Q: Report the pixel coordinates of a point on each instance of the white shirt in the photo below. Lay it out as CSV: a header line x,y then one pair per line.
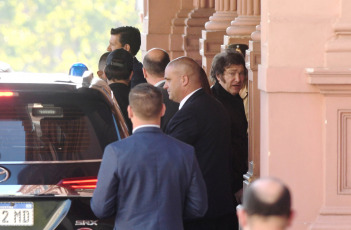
x,y
159,83
182,102
143,126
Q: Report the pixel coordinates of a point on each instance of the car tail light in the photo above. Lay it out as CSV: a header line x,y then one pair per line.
x,y
7,94
78,183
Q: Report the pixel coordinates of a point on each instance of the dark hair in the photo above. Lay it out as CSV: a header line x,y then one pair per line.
x,y
224,60
156,66
113,72
253,205
119,65
146,101
128,35
204,81
241,48
102,61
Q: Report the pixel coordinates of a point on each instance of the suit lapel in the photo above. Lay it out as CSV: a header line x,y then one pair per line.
x,y
194,96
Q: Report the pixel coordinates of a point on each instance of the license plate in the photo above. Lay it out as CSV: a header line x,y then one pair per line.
x,y
16,214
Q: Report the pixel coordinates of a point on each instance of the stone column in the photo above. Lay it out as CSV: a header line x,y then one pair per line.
x,y
156,25
194,25
249,16
215,29
253,59
176,46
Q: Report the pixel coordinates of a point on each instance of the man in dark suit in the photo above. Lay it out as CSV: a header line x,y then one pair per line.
x,y
118,71
149,181
229,72
203,123
128,38
155,62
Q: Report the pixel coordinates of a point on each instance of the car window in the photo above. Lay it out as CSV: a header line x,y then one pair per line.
x,y
55,127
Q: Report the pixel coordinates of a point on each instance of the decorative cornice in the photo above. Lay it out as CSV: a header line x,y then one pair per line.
x,y
335,80
337,210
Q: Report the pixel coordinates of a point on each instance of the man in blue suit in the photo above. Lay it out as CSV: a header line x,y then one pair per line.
x,y
149,180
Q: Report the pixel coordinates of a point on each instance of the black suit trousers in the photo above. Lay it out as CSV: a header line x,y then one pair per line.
x,y
225,222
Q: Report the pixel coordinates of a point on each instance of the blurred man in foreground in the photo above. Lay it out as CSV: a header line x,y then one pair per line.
x,y
266,206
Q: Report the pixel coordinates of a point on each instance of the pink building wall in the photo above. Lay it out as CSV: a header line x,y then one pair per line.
x,y
303,98
304,110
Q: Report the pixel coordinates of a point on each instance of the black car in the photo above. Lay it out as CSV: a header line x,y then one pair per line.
x,y
52,136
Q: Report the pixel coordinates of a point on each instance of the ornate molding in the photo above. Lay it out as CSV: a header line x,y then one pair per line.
x,y
177,31
338,49
253,57
335,211
194,26
344,132
330,80
243,25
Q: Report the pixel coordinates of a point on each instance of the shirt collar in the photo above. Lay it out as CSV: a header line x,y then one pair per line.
x,y
144,126
182,102
159,83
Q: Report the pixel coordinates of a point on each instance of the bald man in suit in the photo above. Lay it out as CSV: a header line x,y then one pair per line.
x,y
154,65
203,122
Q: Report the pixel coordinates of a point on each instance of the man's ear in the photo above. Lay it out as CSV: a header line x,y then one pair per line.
x,y
218,76
242,217
130,112
145,73
185,80
291,217
127,47
163,109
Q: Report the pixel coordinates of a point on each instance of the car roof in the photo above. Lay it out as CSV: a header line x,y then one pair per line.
x,y
39,81
23,77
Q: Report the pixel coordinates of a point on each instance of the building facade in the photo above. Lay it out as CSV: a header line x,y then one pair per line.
x,y
299,89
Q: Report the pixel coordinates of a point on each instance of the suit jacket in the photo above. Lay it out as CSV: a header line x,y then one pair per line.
x,y
138,75
121,93
238,125
150,181
171,107
203,123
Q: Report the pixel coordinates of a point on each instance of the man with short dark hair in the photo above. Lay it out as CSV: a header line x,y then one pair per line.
x,y
229,72
202,122
128,38
149,181
118,71
102,65
154,65
266,206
